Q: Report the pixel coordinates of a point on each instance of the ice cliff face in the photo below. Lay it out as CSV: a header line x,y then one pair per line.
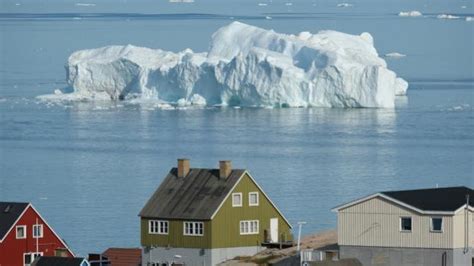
x,y
245,66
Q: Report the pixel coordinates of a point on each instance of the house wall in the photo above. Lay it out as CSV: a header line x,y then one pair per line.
x,y
376,222
175,236
383,256
459,227
12,249
226,223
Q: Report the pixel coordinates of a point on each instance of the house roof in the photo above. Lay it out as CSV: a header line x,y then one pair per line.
x,y
446,201
9,214
434,199
194,197
124,256
57,261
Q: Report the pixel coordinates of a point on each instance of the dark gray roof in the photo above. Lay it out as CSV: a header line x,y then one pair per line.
x,y
194,197
9,213
57,261
434,199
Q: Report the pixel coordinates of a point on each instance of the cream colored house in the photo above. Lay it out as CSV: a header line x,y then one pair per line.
x,y
426,227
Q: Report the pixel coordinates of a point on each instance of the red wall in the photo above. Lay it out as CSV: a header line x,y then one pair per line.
x,y
12,249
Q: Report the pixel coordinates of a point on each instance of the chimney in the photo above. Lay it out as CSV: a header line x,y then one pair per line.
x,y
183,167
225,167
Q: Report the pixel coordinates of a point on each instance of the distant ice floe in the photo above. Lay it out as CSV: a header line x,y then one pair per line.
x,y
344,5
85,4
268,17
288,4
181,1
469,18
447,16
262,4
413,13
395,55
245,66
463,7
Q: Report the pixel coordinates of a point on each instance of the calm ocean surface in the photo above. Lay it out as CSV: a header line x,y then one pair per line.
x,y
89,168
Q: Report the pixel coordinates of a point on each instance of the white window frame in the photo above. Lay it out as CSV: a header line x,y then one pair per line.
x,y
241,199
431,224
411,223
31,257
24,231
40,226
159,227
247,226
258,198
193,228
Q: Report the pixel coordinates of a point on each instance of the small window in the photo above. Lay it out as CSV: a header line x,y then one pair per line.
x,y
253,199
437,224
236,199
21,232
28,258
37,231
158,227
193,228
249,227
405,224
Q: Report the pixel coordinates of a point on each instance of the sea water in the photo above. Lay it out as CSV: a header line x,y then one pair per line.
x,y
89,168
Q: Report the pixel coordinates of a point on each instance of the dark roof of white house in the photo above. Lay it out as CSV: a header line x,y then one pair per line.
x,y
445,200
9,213
194,197
434,199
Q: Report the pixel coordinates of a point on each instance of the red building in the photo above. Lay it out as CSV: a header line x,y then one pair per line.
x,y
24,235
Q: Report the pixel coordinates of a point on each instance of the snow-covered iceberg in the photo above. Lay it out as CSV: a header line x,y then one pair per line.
x,y
245,66
413,13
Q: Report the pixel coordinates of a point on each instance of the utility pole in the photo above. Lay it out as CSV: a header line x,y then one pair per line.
x,y
300,224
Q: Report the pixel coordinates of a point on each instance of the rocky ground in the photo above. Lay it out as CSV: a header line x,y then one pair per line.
x,y
313,241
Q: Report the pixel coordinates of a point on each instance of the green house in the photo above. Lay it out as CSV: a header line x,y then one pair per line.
x,y
206,216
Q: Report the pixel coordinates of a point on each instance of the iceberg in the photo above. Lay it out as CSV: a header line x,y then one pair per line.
x,y
245,66
447,16
413,13
395,55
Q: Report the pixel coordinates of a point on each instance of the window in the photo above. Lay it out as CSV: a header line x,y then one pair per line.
x,y
236,199
249,227
21,232
253,199
405,224
28,258
193,228
436,224
158,227
37,231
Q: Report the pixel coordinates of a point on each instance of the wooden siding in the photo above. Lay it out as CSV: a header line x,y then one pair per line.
x,y
376,222
226,223
175,236
459,229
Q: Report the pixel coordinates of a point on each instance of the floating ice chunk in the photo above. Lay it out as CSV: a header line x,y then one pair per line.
x,y
288,4
413,13
262,4
181,1
268,17
85,4
469,18
395,55
447,16
245,66
463,7
344,5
